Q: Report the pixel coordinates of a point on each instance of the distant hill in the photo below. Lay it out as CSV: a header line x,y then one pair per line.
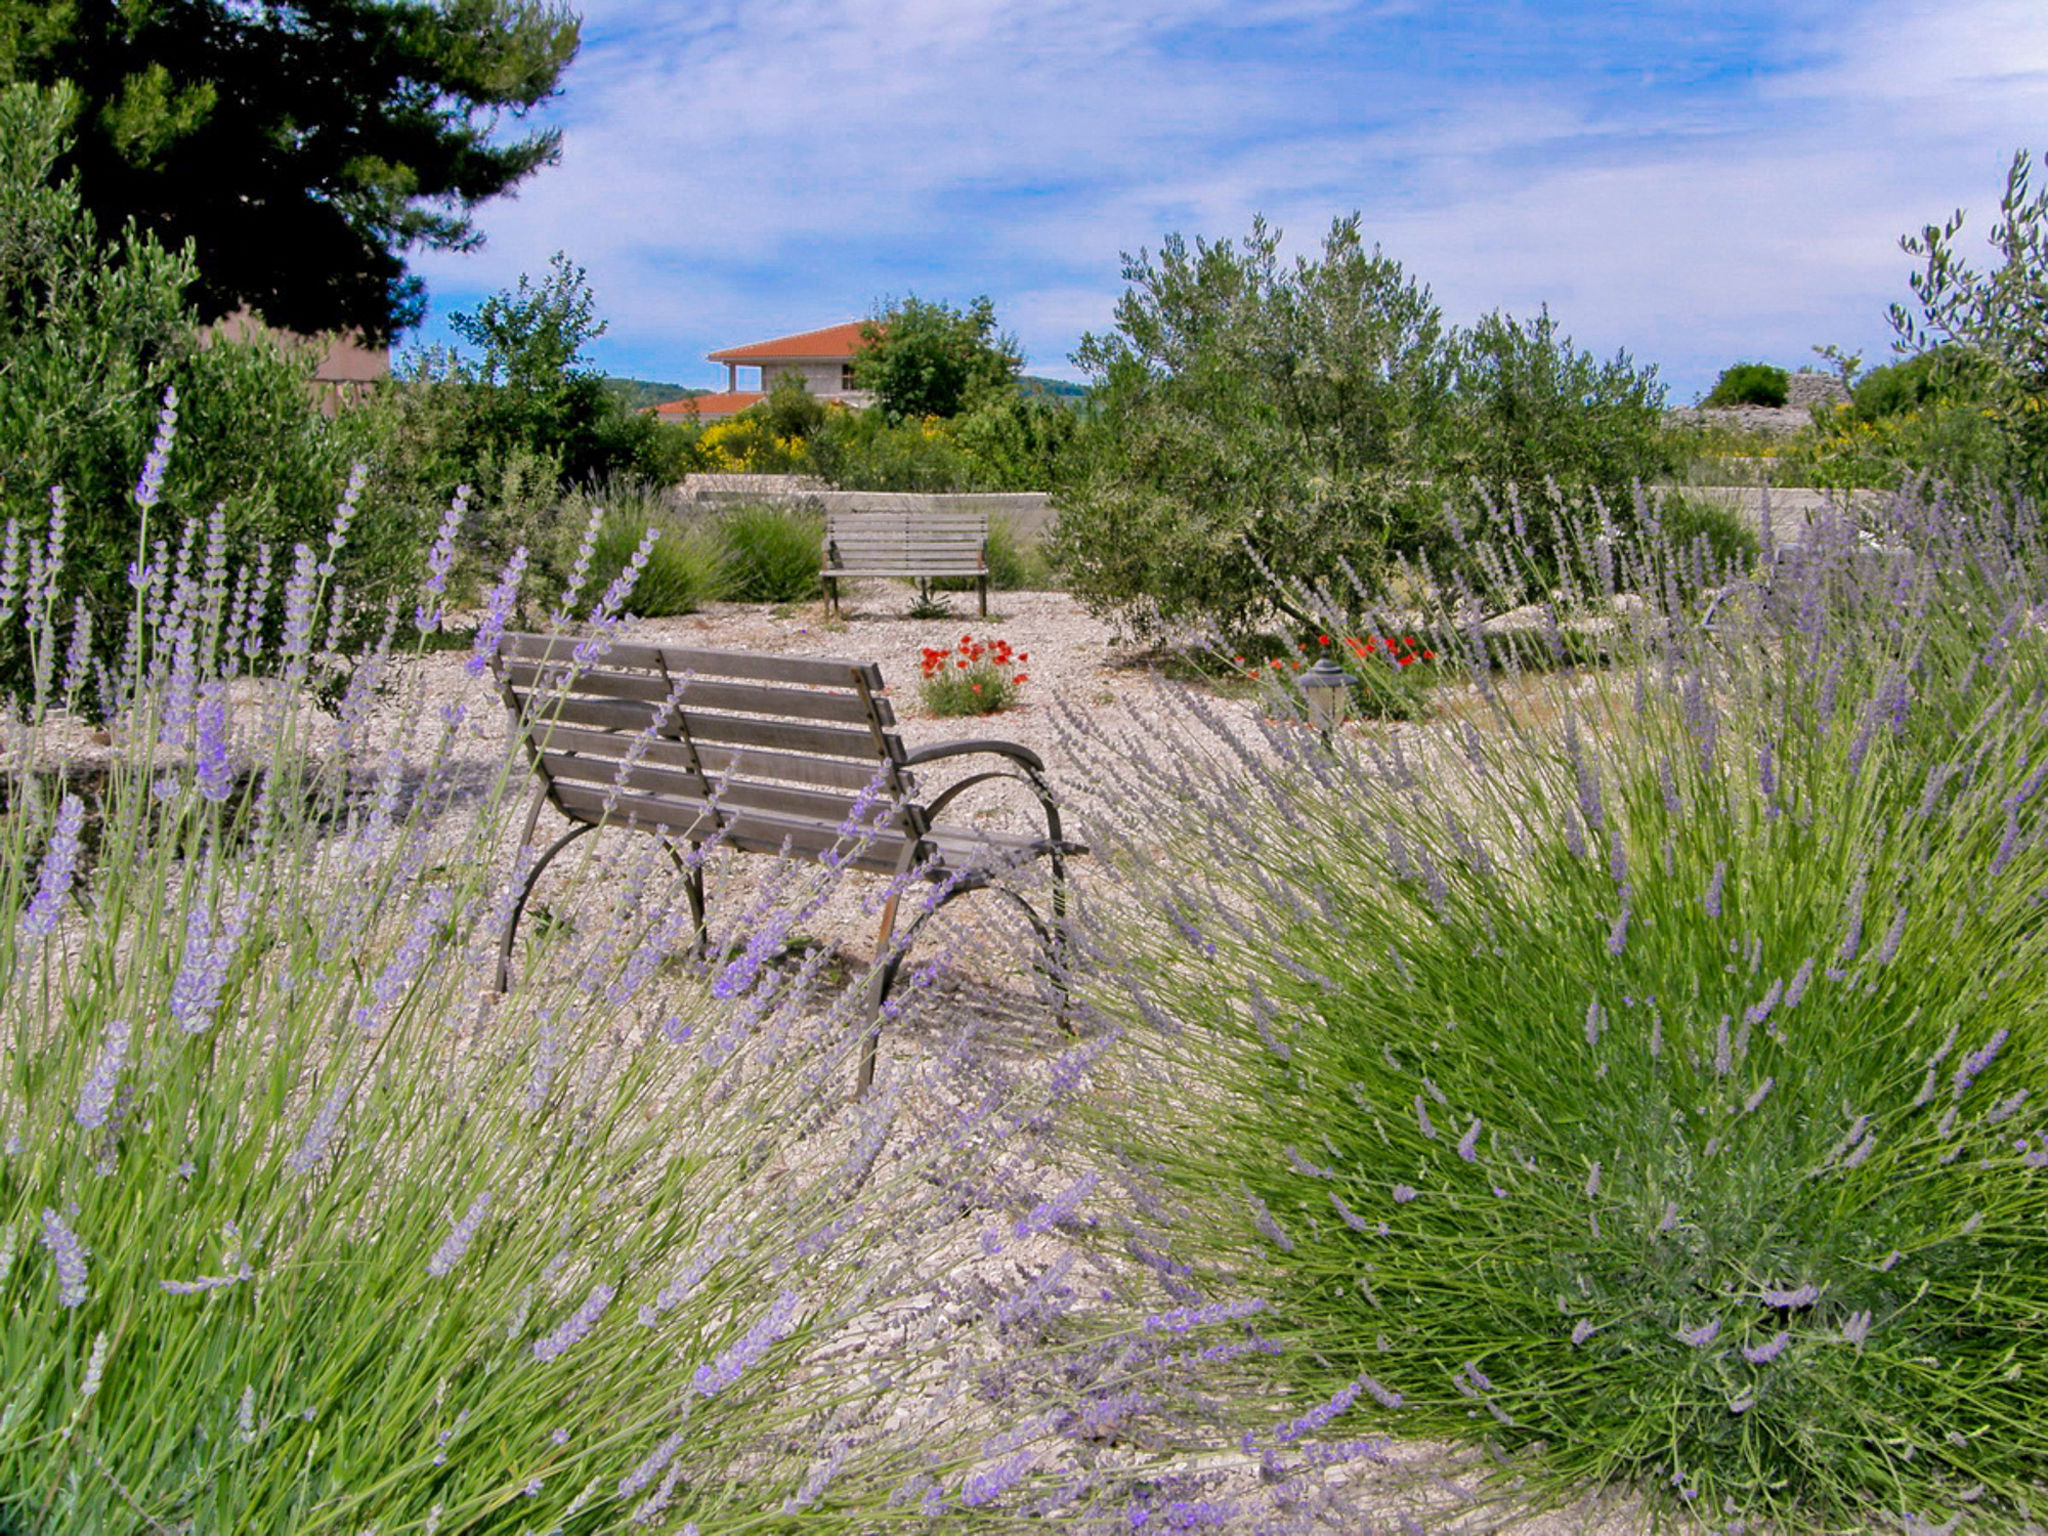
x,y
1061,391
636,394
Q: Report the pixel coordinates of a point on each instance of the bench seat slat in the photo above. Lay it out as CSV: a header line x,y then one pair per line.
x,y
733,794
750,762
759,832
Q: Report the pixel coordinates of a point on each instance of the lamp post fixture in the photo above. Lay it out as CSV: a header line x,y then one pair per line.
x,y
1326,688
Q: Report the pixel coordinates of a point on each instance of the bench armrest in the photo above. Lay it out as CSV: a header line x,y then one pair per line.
x,y
944,749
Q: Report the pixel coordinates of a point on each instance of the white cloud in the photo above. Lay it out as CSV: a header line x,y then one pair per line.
x,y
733,171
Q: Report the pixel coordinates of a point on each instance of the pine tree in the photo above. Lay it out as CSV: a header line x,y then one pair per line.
x,y
303,147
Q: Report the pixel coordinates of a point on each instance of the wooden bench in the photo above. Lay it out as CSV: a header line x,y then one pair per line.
x,y
764,754
918,546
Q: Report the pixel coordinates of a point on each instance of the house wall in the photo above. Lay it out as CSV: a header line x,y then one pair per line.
x,y
820,379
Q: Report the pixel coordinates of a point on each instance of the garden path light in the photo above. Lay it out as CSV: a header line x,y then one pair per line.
x,y
1326,688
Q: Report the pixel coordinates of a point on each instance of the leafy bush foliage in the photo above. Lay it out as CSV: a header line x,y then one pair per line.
x,y
1750,384
1257,421
1728,539
770,553
682,569
1645,1074
1992,317
94,334
923,359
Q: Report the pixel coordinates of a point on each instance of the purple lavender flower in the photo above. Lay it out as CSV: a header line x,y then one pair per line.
x,y
1763,1092
498,604
314,1146
1760,1010
1352,1219
96,1096
216,775
426,614
149,487
1798,1296
1712,900
60,863
1702,1336
986,1487
579,572
68,1254
774,1325
1469,1142
1796,988
1184,1319
1422,1116
1403,1193
576,1327
457,1243
650,1469
1764,1354
1320,1415
1593,1182
1582,1330
1852,938
1977,1061
403,967
1856,1329
1262,1218
1617,936
1385,1397
344,516
195,995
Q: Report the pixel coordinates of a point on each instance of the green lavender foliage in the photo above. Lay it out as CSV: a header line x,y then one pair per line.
x,y
303,1227
769,553
1645,1072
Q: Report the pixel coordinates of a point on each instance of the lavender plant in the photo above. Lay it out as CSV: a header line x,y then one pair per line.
x,y
300,1230
1640,1071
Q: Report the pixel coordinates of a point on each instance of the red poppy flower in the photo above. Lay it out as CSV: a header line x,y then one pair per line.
x,y
1322,639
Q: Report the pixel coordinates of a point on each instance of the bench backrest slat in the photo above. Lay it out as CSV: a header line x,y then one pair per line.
x,y
692,740
900,542
833,707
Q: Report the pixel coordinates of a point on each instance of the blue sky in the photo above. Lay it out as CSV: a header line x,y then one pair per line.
x,y
1699,184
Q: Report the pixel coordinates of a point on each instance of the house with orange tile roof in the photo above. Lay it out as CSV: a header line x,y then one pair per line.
x,y
823,359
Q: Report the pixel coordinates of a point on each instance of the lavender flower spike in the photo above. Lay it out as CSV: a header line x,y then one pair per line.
x,y
457,1244
774,1325
1977,1061
497,609
60,863
69,1255
149,488
426,614
96,1097
1702,1336
576,1326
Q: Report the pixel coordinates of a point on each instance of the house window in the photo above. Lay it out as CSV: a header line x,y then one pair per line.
x,y
845,377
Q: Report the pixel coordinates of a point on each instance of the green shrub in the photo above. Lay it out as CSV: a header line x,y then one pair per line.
x,y
682,571
1730,542
1646,1076
1750,384
865,451
770,553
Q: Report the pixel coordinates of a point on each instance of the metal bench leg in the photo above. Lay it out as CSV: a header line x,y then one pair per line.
x,y
526,890
886,966
692,871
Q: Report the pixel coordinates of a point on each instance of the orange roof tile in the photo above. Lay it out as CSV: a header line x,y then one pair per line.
x,y
834,341
724,403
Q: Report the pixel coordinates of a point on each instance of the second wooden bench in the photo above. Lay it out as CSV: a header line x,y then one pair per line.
x,y
918,546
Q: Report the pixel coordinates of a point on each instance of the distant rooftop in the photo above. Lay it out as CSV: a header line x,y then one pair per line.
x,y
832,343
